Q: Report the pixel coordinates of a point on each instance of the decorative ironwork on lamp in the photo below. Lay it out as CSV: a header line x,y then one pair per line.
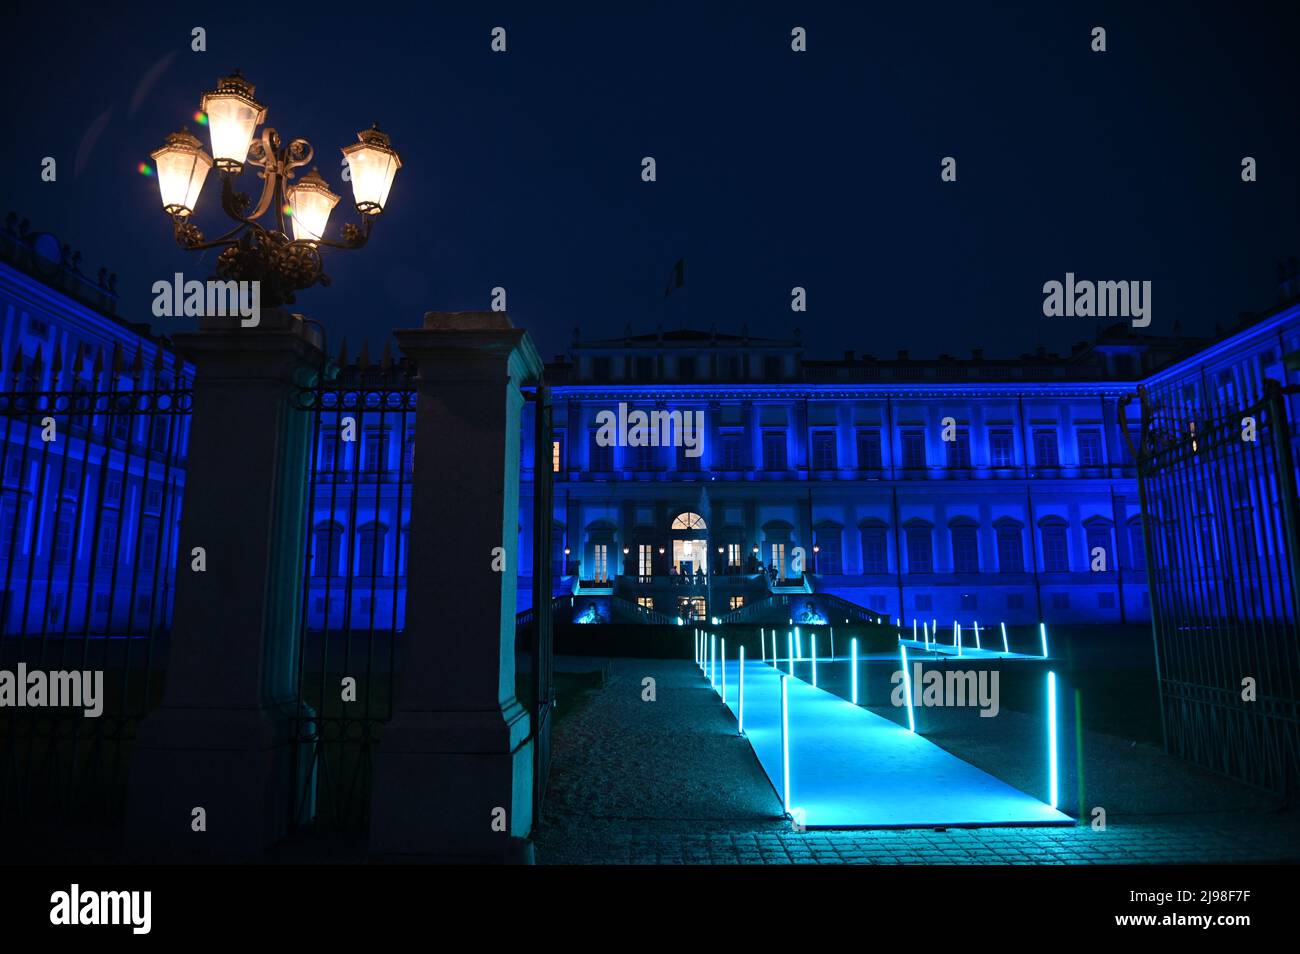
x,y
252,250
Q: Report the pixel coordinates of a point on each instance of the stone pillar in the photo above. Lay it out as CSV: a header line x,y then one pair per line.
x,y
222,739
453,777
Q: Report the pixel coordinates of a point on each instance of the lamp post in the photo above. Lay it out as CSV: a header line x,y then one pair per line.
x,y
253,250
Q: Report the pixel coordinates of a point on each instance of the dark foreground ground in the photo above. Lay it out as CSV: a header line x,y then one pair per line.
x,y
670,782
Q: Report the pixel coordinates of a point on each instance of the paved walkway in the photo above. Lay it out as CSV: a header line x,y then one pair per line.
x,y
669,782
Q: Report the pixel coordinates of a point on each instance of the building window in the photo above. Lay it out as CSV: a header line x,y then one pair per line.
x,y
1137,549
923,602
645,458
1045,447
1011,551
869,457
601,456
408,456
823,450
730,445
107,543
376,451
63,540
13,468
965,550
736,602
1056,556
645,560
958,450
326,550
920,550
828,556
913,450
645,602
1098,537
733,554
774,450
778,559
688,521
1060,601
875,550
71,479
328,459
113,488
1106,600
8,526
1015,601
685,461
370,550
600,562
1090,453
1001,449
555,455
153,497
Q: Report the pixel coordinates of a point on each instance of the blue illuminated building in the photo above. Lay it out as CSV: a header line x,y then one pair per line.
x,y
845,459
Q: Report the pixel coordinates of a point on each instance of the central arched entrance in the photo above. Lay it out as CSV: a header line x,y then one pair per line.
x,y
690,537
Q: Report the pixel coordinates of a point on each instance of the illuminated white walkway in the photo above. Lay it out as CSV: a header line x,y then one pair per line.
x,y
850,768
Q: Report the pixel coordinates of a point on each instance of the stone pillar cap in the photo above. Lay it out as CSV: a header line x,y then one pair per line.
x,y
467,321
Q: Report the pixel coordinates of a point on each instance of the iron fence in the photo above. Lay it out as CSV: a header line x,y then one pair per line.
x,y
354,589
1219,510
92,466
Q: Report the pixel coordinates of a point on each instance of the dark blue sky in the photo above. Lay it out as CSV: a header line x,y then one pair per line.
x,y
774,168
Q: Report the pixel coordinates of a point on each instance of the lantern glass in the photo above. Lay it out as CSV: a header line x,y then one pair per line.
x,y
372,164
182,166
311,202
233,116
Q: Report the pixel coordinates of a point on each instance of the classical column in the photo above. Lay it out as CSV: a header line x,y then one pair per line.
x,y
453,776
211,768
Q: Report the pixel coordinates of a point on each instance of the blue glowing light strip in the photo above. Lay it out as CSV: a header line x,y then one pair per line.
x,y
785,746
724,670
907,688
1042,631
762,645
713,661
789,650
853,663
1051,739
1004,639
813,637
978,647
740,701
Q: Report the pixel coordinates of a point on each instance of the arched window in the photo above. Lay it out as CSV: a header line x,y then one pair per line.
x,y
827,559
875,547
327,539
1097,537
965,545
1137,551
688,521
370,549
1011,546
920,547
1056,553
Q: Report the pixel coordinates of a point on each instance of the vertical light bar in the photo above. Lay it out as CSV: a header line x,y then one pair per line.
x,y
853,665
957,635
789,650
913,629
740,694
813,637
977,636
926,627
762,645
713,660
832,644
1042,632
1004,639
907,688
1051,738
724,670
785,745
798,644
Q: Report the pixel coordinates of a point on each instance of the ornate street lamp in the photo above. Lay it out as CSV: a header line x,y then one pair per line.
x,y
253,250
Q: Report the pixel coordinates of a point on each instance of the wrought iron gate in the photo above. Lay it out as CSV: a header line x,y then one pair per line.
x,y
1220,518
354,582
541,632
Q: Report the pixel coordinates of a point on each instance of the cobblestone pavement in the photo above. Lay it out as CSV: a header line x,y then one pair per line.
x,y
670,782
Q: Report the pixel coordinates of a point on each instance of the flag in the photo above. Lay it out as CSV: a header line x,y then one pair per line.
x,y
678,277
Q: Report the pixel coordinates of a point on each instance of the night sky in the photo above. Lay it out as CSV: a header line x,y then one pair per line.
x,y
775,168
